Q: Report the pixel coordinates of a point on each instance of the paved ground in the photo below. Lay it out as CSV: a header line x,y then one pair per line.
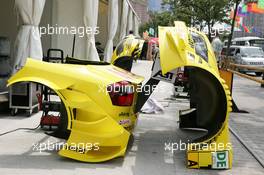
x,y
146,155
249,96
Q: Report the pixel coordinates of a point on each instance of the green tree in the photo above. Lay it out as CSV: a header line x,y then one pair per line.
x,y
200,12
158,19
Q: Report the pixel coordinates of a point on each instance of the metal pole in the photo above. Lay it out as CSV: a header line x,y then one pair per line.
x,y
262,85
227,62
73,45
246,76
232,27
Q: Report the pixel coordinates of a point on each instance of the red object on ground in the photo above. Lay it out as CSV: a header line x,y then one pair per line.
x,y
39,96
50,120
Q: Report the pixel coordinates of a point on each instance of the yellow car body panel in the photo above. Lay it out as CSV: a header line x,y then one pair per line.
x,y
177,50
97,132
129,48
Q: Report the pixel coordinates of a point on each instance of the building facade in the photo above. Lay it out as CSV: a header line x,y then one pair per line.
x,y
253,25
141,8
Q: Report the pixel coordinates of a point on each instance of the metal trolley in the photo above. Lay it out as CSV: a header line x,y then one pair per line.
x,y
24,96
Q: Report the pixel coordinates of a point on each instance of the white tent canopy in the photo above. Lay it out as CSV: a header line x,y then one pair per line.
x,y
133,20
136,25
123,29
112,28
28,42
130,20
90,20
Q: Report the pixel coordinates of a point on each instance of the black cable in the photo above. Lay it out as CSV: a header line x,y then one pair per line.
x,y
11,131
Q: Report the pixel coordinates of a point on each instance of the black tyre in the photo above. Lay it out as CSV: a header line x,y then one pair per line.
x,y
258,74
62,131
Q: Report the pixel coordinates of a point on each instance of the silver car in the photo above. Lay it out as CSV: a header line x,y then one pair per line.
x,y
247,55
